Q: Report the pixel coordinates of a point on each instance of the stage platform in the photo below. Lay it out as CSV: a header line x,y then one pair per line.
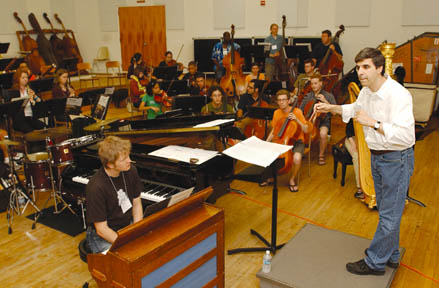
x,y
317,257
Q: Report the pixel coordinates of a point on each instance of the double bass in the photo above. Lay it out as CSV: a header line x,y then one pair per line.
x,y
57,44
233,82
34,59
70,46
44,45
284,65
331,66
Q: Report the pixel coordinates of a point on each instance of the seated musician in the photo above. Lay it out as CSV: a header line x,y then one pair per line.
x,y
219,51
190,75
31,76
319,95
254,74
62,89
112,194
303,78
24,121
217,105
200,87
149,103
135,61
247,100
169,61
136,88
321,48
279,116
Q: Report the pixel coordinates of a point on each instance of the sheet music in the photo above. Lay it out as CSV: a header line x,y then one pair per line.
x,y
213,123
74,101
73,117
109,91
180,196
256,151
184,154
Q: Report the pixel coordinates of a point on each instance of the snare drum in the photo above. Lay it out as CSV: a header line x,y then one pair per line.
x,y
62,153
84,140
37,171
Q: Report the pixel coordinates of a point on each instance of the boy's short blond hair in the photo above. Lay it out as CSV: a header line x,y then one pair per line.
x,y
111,148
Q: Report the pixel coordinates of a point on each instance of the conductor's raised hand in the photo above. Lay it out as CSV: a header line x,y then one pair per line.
x,y
322,107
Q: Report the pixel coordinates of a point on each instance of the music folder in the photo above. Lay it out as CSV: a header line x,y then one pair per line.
x,y
168,202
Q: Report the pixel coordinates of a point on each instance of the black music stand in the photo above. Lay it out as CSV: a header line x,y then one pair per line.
x,y
255,53
5,83
262,113
4,47
40,110
189,104
278,163
300,52
41,85
273,87
175,87
165,72
10,109
14,66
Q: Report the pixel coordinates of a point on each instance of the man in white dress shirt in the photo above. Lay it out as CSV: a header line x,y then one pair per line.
x,y
385,110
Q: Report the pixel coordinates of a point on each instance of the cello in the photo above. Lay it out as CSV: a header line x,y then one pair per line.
x,y
257,126
331,65
34,58
233,82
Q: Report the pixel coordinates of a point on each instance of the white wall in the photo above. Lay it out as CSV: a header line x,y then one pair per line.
x,y
385,23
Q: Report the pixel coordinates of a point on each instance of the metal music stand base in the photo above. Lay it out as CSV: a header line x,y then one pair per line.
x,y
268,246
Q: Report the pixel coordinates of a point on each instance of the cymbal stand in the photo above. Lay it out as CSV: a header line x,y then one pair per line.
x,y
16,193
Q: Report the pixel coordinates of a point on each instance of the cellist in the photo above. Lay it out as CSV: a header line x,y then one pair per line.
x,y
279,116
304,78
320,50
319,95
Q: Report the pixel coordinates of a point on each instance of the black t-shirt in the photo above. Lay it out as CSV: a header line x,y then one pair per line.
x,y
246,100
350,132
320,50
102,198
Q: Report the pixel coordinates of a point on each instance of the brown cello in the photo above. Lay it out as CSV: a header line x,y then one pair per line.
x,y
284,133
34,59
233,82
331,65
70,46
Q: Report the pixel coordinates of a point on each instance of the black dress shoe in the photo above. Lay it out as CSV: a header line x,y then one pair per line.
x,y
361,268
389,263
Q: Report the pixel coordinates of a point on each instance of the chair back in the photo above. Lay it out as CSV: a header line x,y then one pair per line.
x,y
103,54
83,66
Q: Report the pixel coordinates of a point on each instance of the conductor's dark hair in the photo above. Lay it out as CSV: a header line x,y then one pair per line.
x,y
374,54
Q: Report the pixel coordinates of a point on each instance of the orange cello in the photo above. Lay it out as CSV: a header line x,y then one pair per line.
x,y
285,133
233,82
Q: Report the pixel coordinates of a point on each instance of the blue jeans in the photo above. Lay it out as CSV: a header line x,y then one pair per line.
x,y
96,243
391,176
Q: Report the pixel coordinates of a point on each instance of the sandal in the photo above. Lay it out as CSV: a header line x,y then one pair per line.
x,y
322,160
266,183
293,188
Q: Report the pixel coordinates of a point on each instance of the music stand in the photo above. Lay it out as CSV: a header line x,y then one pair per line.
x,y
300,52
262,113
14,66
5,83
101,107
41,85
165,72
175,87
256,53
40,110
189,104
4,47
273,87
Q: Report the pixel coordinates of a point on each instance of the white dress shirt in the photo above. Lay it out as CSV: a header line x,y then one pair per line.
x,y
392,105
28,107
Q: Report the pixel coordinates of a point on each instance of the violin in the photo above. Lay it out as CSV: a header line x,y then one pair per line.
x,y
164,101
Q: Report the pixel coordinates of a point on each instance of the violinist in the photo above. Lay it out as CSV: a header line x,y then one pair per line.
x,y
169,61
321,48
160,96
217,106
276,41
279,116
24,121
148,103
315,96
254,74
136,88
200,87
135,61
190,76
219,51
304,78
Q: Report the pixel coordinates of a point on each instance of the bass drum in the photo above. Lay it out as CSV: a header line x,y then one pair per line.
x,y
37,172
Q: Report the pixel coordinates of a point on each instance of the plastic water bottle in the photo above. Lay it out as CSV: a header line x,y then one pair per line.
x,y
266,262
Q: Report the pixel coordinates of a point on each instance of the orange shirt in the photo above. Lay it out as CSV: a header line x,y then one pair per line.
x,y
280,116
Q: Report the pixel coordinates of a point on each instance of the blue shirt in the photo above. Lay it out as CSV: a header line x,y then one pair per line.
x,y
275,46
217,52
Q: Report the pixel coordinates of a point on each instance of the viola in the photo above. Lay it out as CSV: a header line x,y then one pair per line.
x,y
233,82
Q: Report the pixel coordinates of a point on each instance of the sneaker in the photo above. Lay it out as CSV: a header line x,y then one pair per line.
x,y
389,263
361,268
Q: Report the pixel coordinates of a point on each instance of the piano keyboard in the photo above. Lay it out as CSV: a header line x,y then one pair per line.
x,y
153,191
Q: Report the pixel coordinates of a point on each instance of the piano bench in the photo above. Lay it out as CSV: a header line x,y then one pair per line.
x,y
84,250
341,155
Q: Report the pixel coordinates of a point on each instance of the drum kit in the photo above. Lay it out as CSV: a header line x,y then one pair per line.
x,y
42,172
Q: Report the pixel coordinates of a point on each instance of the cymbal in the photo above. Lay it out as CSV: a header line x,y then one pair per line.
x,y
9,143
100,124
40,135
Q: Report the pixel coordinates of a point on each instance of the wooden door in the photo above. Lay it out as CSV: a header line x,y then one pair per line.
x,y
142,29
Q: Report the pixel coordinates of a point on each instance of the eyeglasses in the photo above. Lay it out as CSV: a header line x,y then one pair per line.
x,y
281,100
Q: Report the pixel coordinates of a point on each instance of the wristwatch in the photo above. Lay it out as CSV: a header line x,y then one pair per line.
x,y
376,126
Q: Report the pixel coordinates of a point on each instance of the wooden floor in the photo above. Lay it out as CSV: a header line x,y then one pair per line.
x,y
46,258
